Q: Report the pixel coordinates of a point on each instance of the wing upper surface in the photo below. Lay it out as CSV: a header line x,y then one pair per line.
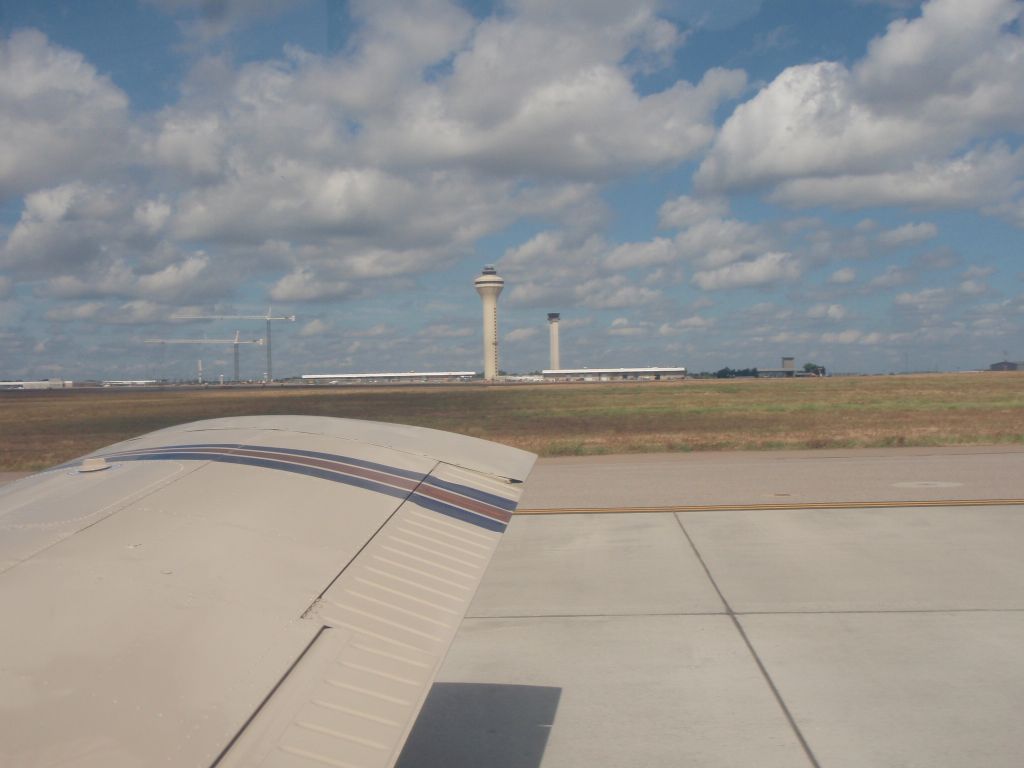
x,y
176,626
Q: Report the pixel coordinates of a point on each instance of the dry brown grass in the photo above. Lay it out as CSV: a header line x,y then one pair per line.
x,y
39,429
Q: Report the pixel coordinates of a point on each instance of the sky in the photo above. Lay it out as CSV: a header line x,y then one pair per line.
x,y
693,183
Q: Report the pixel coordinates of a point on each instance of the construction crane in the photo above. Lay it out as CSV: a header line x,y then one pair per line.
x,y
269,376
235,341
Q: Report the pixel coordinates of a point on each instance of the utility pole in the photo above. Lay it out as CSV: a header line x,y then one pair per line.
x,y
269,317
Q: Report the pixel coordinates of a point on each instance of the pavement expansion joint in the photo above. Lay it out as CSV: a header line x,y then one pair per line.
x,y
677,508
597,615
804,745
872,611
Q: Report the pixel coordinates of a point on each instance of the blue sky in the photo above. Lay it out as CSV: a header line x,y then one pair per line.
x,y
688,183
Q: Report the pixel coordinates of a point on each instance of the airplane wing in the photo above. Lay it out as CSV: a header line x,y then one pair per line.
x,y
255,591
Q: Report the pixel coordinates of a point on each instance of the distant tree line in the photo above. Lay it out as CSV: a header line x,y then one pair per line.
x,y
735,373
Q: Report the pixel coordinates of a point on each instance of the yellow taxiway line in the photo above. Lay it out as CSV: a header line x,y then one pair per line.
x,y
770,507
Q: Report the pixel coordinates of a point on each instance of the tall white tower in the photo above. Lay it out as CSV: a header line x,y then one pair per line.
x,y
489,285
553,318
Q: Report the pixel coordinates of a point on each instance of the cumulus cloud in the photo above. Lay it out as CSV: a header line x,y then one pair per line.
x,y
907,234
925,300
429,130
686,211
852,336
973,287
827,311
917,120
553,268
890,278
303,285
657,251
768,268
367,144
980,177
623,326
520,334
446,331
315,327
59,119
691,323
75,312
843,276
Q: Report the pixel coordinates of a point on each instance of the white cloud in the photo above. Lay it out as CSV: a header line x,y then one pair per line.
x,y
623,326
851,336
767,268
174,280
908,233
75,312
446,331
139,311
5,287
59,119
520,334
195,143
554,269
657,251
843,276
973,288
983,176
315,327
614,292
303,285
151,215
854,336
691,323
717,242
925,300
892,277
827,311
907,124
687,211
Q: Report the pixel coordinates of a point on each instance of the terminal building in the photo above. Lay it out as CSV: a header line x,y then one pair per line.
x,y
613,374
410,377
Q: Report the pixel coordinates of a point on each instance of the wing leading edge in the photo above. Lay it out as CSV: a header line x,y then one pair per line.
x,y
284,597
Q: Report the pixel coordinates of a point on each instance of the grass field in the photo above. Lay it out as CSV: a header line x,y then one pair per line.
x,y
39,429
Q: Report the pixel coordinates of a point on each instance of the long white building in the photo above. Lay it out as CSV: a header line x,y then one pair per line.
x,y
410,377
613,374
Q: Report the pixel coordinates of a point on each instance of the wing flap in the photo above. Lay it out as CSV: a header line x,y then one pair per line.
x,y
388,621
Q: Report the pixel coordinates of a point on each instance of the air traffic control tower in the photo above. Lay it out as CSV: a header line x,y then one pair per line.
x,y
489,286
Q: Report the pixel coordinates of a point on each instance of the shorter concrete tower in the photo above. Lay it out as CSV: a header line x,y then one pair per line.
x,y
553,318
489,286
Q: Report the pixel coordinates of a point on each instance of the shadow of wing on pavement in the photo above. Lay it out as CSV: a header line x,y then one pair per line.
x,y
481,724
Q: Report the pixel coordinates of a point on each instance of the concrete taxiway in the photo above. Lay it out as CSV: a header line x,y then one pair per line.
x,y
768,636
